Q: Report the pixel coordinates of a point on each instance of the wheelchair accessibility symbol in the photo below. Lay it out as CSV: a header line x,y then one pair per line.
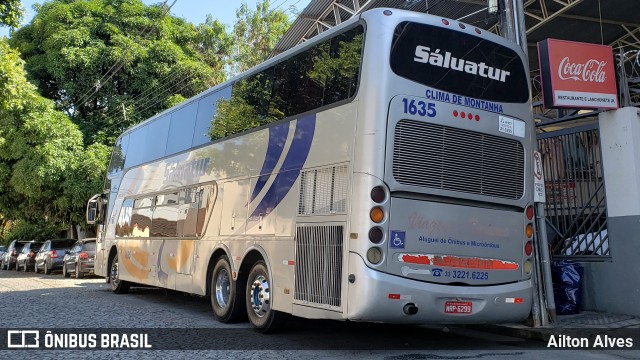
x,y
397,239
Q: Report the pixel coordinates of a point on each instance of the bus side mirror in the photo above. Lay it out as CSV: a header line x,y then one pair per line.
x,y
92,209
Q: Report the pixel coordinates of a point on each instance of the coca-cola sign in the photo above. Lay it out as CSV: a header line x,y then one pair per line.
x,y
577,75
591,71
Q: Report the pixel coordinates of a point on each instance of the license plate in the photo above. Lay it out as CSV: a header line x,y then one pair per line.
x,y
457,307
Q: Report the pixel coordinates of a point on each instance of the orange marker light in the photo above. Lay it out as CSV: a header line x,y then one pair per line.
x,y
376,214
529,230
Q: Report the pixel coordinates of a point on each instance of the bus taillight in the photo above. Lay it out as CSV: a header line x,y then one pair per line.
x,y
376,235
528,248
378,195
374,255
529,212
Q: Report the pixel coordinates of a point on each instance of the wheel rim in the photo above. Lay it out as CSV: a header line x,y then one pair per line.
x,y
114,273
260,302
223,288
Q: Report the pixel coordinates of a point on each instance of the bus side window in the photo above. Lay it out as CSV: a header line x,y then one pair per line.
x,y
187,213
141,216
205,198
123,226
165,215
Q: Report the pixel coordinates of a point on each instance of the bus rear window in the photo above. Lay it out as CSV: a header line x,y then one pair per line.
x,y
459,63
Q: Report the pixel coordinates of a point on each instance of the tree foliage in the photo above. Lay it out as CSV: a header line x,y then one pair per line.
x,y
110,64
11,13
215,45
256,33
95,68
41,230
41,152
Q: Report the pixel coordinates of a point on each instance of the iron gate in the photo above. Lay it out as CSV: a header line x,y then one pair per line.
x,y
575,209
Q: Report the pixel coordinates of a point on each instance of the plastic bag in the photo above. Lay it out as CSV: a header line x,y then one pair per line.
x,y
567,286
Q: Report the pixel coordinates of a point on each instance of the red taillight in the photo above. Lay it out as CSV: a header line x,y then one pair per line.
x,y
528,248
529,212
53,254
83,255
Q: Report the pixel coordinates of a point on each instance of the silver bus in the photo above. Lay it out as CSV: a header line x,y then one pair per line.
x,y
377,172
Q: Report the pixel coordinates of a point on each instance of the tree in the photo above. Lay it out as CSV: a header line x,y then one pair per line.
x,y
22,230
109,64
41,153
256,33
215,45
11,13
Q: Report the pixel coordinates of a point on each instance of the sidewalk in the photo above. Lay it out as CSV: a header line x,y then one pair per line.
x,y
585,324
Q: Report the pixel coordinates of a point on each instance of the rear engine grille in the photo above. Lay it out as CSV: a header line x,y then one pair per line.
x,y
446,158
319,265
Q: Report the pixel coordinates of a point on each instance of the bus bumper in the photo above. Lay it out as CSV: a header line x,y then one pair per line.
x,y
379,297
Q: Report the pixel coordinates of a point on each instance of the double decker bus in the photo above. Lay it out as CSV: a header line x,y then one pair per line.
x,y
377,172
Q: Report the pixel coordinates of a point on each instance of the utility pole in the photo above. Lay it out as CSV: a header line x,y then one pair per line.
x,y
512,23
513,28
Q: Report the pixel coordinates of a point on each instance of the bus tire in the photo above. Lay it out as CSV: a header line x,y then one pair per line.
x,y
259,300
226,302
117,286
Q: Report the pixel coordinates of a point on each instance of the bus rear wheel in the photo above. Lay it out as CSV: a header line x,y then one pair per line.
x,y
117,286
259,297
227,305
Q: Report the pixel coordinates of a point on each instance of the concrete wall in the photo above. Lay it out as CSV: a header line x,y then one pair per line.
x,y
614,286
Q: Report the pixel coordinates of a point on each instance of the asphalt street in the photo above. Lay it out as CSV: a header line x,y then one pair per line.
x,y
178,321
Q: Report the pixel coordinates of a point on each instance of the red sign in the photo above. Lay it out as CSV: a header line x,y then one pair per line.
x,y
577,75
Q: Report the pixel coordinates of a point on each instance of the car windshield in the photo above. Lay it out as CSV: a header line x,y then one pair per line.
x,y
3,248
19,245
62,244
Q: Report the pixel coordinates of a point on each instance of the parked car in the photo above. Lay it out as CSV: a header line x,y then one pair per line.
x,y
51,254
80,259
9,260
27,257
3,250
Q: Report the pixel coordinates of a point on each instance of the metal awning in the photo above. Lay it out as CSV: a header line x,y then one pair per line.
x,y
609,22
